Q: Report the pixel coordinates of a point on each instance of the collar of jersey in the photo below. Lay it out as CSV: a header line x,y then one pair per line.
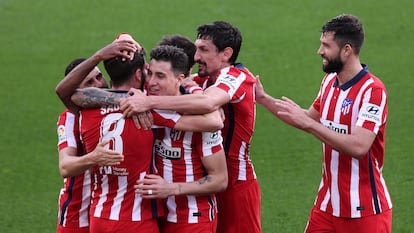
x,y
354,80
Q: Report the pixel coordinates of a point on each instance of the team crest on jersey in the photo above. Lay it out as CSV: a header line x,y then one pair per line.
x,y
346,106
175,134
61,134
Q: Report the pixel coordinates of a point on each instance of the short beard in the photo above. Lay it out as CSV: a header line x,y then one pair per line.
x,y
205,73
334,65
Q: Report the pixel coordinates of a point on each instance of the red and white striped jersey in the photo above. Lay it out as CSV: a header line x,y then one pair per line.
x,y
353,188
240,115
113,195
178,159
203,82
74,198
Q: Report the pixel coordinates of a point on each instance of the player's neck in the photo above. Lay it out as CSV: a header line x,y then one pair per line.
x,y
349,71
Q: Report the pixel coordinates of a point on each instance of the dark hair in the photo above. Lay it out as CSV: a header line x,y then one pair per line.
x,y
172,54
184,43
73,64
347,30
121,71
223,35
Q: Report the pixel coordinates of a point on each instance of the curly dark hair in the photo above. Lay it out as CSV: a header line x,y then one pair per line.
x,y
175,55
347,30
121,71
184,43
223,35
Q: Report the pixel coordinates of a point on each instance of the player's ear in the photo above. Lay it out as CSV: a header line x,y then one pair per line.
x,y
138,75
180,79
348,50
227,53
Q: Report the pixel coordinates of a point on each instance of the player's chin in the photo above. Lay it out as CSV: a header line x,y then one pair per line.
x,y
153,93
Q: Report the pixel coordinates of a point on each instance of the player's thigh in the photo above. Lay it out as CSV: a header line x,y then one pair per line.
x,y
239,208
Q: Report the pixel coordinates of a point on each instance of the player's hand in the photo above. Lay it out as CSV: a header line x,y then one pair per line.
x,y
143,120
127,37
134,104
259,90
124,49
105,157
292,113
154,186
190,86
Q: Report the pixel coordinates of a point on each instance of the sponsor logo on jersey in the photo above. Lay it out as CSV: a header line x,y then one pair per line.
x,y
228,80
166,151
371,112
105,170
61,134
214,135
213,138
340,128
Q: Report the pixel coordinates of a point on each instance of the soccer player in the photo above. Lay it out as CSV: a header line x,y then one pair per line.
x,y
74,198
115,206
183,43
191,165
218,45
349,116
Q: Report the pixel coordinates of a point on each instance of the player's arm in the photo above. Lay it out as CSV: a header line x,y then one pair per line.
x,y
215,181
67,86
93,97
212,98
208,122
71,164
356,144
264,99
70,83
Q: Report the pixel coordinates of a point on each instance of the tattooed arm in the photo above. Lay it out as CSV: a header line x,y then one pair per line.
x,y
75,78
93,97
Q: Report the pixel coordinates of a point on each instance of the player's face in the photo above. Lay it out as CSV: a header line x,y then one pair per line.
x,y
330,53
161,80
94,79
208,58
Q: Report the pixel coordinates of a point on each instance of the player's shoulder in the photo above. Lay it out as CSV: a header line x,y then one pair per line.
x,y
66,115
